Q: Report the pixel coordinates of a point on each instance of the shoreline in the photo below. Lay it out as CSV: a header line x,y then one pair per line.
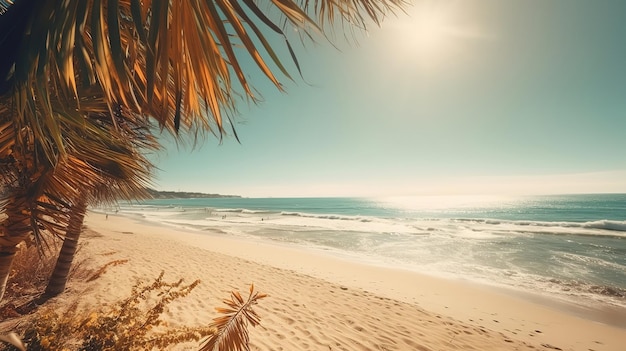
x,y
595,311
510,314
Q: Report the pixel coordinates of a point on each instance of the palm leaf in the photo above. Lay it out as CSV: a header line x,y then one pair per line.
x,y
105,162
4,5
178,61
232,327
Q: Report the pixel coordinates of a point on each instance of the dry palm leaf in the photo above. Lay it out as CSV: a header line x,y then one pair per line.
x,y
182,62
105,160
232,327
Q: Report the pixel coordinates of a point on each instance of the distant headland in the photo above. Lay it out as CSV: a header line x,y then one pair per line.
x,y
185,195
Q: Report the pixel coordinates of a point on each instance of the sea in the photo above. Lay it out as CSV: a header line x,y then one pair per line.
x,y
571,247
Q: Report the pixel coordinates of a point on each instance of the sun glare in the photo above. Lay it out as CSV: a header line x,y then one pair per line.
x,y
431,202
427,34
430,34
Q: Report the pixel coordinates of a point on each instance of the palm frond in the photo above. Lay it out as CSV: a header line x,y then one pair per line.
x,y
178,61
117,151
104,162
4,5
232,327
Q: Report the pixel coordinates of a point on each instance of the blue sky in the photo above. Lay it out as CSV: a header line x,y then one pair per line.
x,y
458,97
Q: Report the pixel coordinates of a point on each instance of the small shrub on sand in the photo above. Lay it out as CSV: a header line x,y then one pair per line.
x,y
123,326
131,324
134,323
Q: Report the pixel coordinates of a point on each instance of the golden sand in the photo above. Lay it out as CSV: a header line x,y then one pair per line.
x,y
321,302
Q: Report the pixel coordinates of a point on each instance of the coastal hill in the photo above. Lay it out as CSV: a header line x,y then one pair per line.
x,y
184,195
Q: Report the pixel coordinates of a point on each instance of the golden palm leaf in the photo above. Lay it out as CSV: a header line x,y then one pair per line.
x,y
232,328
177,61
105,161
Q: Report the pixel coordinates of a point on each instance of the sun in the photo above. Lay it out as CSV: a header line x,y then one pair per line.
x,y
430,35
426,34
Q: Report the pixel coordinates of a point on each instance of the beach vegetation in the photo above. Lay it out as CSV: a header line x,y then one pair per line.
x,y
135,323
106,163
120,177
29,274
130,324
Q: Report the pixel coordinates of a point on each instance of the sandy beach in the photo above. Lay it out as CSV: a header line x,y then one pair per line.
x,y
322,302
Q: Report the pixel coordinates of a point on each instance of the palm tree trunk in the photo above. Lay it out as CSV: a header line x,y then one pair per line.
x,y
15,229
6,258
58,279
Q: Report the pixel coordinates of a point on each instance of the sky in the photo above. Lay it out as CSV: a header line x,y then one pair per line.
x,y
468,97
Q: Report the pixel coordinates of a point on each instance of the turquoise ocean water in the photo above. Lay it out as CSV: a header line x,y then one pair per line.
x,y
572,247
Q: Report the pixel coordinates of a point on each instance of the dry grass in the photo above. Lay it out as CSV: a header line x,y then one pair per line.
x,y
131,324
30,272
134,323
28,278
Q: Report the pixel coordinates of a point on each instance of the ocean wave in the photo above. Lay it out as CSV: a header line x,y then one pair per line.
x,y
241,210
603,225
326,216
619,226
474,228
510,252
592,261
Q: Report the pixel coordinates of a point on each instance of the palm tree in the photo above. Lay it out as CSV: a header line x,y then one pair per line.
x,y
124,172
33,203
104,163
175,61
